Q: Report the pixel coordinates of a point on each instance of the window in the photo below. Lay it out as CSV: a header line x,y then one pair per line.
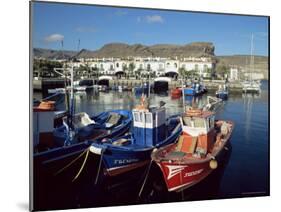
x,y
148,118
117,65
199,122
176,65
136,116
205,67
187,121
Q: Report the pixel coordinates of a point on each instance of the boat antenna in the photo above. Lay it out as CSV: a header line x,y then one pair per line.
x,y
148,95
182,91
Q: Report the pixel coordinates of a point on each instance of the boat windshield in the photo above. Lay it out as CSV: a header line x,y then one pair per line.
x,y
187,121
199,122
194,122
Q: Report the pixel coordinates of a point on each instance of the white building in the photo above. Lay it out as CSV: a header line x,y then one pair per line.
x,y
234,74
159,66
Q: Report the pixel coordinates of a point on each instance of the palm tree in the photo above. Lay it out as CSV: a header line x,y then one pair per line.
x,y
182,72
131,68
222,70
124,69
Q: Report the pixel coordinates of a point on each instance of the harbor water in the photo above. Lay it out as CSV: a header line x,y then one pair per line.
x,y
245,171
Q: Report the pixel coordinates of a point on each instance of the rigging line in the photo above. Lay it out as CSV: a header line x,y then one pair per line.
x,y
82,167
146,176
65,167
98,173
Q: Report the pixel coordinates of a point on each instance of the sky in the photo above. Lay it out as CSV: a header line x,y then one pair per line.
x,y
96,26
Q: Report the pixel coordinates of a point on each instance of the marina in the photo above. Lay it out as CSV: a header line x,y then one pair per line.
x,y
132,107
148,186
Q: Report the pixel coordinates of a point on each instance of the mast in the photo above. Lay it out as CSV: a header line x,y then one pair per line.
x,y
71,94
65,80
252,57
183,97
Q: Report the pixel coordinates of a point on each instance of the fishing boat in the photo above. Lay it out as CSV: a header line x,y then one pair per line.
x,y
197,152
194,89
143,89
222,92
54,129
151,130
251,87
176,92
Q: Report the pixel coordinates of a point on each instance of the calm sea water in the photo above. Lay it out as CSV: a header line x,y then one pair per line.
x,y
245,171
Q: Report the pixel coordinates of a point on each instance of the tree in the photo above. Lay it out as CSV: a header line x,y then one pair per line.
x,y
192,74
138,72
222,71
131,68
182,72
124,69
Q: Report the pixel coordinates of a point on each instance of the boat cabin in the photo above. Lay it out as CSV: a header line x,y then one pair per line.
x,y
198,132
149,124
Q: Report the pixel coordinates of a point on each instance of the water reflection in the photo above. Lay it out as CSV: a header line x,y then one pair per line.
x,y
245,168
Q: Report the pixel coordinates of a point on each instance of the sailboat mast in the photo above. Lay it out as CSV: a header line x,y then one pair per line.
x,y
71,89
252,57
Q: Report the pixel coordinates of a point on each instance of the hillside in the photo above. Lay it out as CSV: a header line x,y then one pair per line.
x,y
243,61
120,50
52,54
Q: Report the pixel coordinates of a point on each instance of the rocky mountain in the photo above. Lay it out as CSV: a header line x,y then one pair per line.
x,y
122,50
52,54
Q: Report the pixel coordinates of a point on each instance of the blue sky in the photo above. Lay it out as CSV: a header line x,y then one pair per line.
x,y
96,26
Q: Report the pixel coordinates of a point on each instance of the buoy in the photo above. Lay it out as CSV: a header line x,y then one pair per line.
x,y
213,164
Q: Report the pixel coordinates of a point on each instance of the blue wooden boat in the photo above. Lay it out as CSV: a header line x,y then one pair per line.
x,y
194,90
151,130
222,92
106,124
143,89
55,129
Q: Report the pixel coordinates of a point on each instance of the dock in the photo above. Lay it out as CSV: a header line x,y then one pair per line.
x,y
48,83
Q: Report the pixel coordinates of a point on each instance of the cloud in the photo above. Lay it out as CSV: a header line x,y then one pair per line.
x,y
53,38
86,29
121,13
154,19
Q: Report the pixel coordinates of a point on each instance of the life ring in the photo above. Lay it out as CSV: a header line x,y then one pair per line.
x,y
193,112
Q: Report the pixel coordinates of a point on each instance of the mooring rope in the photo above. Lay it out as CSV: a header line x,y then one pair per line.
x,y
65,167
82,167
98,173
146,176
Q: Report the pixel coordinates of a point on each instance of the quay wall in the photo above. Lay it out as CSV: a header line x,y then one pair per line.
x,y
42,85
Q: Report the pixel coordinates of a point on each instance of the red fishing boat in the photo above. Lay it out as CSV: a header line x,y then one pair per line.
x,y
197,152
176,92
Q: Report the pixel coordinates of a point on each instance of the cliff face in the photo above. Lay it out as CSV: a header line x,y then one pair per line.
x,y
137,50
